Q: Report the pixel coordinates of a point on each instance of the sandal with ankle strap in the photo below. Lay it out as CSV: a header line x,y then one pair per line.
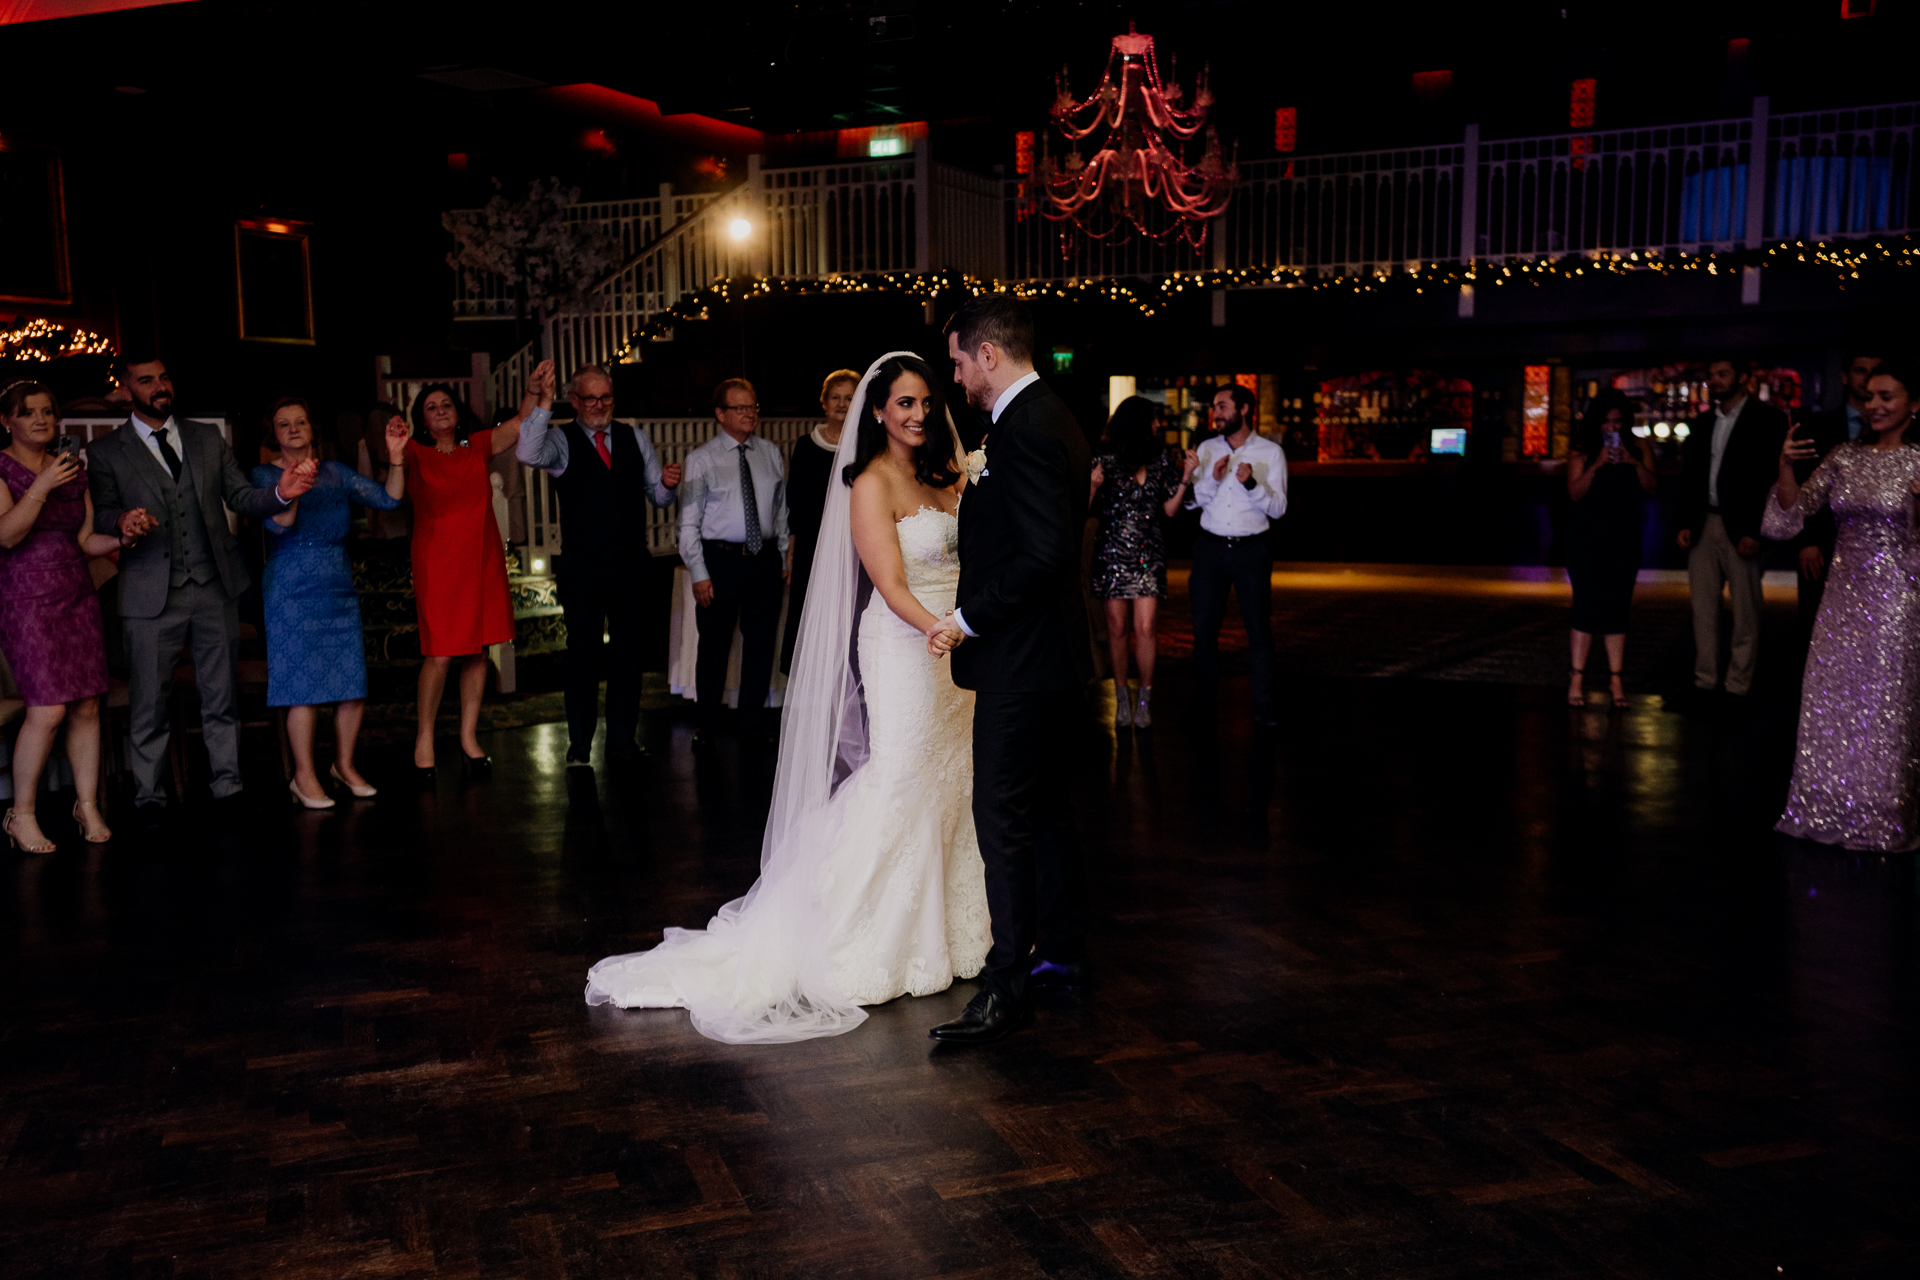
x,y
86,829
1580,701
45,845
1621,700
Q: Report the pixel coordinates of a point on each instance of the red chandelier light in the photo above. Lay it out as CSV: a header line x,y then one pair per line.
x,y
1111,194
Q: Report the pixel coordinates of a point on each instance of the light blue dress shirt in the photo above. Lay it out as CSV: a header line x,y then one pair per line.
x,y
546,448
710,502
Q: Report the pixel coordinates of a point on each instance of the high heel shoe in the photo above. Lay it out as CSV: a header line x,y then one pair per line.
x,y
87,831
324,802
478,767
362,792
45,845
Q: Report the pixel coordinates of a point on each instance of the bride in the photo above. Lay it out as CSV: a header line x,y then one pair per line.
x,y
871,884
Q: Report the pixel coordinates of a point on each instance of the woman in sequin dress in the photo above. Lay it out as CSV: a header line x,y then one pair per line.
x,y
1856,772
1137,487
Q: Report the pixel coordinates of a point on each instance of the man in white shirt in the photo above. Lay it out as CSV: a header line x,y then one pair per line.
x,y
733,540
1241,488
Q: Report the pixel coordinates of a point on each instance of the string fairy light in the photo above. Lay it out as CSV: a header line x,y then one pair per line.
x,y
1845,260
37,341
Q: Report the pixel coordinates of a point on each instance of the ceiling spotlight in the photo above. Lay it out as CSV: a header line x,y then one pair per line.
x,y
739,228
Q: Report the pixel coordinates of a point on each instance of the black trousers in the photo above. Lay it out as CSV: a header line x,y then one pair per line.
x,y
1036,885
746,593
1245,565
602,596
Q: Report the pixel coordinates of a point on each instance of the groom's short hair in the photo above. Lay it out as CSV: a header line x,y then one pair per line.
x,y
1004,321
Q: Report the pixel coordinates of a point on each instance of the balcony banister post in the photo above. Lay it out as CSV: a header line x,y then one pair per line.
x,y
923,221
1469,213
1756,201
759,214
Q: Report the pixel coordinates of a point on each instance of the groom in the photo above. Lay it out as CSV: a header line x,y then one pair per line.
x,y
1026,656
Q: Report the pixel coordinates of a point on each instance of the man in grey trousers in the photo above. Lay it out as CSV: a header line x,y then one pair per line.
x,y
180,585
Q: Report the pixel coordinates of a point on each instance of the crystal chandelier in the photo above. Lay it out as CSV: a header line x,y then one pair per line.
x,y
1112,194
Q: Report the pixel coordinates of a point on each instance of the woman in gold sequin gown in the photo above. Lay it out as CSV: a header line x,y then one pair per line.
x,y
1856,772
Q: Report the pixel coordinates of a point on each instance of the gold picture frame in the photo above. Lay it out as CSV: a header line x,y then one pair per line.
x,y
21,175
272,263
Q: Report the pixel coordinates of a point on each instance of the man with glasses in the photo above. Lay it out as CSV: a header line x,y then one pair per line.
x,y
601,575
733,539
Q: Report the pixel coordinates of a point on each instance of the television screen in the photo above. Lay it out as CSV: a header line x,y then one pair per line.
x,y
1448,440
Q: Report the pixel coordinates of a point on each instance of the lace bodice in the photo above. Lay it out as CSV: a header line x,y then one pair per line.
x,y
930,550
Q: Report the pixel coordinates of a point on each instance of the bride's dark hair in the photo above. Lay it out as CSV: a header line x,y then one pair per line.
x,y
933,462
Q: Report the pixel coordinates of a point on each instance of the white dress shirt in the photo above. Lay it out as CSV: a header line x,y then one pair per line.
x,y
1724,416
710,502
1228,509
145,432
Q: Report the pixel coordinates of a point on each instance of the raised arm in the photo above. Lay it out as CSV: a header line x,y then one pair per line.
x,y
876,536
538,395
1183,487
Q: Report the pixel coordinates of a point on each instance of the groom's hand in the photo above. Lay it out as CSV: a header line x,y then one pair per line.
x,y
944,636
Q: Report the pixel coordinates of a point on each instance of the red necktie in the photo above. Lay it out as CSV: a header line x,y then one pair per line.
x,y
600,443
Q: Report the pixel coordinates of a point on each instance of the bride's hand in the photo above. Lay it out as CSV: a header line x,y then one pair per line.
x,y
943,637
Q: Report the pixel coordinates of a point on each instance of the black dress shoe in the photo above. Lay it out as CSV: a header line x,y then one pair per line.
x,y
578,759
423,776
1055,976
152,817
988,1016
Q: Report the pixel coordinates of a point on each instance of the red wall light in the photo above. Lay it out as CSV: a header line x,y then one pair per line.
x,y
1286,133
1580,105
1023,152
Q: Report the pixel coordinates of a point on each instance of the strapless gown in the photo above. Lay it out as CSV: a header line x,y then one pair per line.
x,y
890,897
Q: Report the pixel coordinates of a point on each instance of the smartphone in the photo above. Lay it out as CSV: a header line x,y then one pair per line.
x,y
1610,439
66,444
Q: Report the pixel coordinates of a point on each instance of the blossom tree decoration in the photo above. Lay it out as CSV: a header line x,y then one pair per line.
x,y
543,250
1111,195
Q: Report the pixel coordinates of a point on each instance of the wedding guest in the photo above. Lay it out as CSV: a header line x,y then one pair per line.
x,y
1727,467
1856,773
315,652
373,464
49,614
600,468
1609,473
1828,431
733,538
459,560
1137,487
809,472
181,586
1241,488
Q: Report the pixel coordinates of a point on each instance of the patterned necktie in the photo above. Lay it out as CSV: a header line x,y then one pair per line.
x,y
166,451
600,443
752,504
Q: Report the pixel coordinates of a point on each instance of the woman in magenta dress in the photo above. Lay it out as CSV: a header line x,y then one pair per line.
x,y
459,562
1856,769
49,614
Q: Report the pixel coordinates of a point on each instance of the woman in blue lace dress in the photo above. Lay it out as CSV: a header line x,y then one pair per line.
x,y
315,653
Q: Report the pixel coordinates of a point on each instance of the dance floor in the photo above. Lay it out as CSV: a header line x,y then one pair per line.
x,y
1441,980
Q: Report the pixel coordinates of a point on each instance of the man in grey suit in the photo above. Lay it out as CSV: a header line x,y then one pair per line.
x,y
180,585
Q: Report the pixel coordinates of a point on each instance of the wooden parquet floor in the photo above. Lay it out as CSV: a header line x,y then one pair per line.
x,y
1442,981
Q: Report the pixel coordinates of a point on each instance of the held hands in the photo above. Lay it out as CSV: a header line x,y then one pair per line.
x,y
943,637
135,525
670,475
295,481
703,593
539,388
397,435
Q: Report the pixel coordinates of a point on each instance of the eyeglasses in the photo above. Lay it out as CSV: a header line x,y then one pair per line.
x,y
752,410
605,399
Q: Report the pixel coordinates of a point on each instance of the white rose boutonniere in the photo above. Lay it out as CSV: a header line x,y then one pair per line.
x,y
976,465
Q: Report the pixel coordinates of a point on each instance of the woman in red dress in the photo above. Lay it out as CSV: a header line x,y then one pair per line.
x,y
459,563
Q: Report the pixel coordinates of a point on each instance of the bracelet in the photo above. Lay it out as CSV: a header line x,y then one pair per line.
x,y
28,496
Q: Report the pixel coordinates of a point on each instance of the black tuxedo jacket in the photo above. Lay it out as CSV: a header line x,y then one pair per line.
x,y
1828,431
1747,470
1020,530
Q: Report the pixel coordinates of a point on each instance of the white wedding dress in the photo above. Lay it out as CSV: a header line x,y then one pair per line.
x,y
884,893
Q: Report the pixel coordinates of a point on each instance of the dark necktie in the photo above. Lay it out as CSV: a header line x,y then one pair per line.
x,y
166,451
752,503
